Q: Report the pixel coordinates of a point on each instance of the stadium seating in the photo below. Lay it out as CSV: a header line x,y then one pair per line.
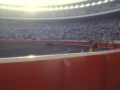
x,y
83,30
78,71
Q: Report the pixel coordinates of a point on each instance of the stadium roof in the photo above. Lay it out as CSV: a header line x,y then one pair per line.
x,y
40,2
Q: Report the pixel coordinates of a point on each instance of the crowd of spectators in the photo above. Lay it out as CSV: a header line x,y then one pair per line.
x,y
62,13
84,30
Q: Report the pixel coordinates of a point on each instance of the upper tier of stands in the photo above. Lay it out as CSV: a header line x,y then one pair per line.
x,y
85,10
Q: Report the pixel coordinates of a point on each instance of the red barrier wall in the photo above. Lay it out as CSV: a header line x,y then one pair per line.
x,y
38,75
86,73
93,72
113,71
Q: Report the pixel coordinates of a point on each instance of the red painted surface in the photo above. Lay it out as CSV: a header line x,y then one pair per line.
x,y
87,73
113,71
93,72
67,74
38,75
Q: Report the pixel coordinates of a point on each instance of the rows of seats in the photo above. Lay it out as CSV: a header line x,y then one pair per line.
x,y
84,30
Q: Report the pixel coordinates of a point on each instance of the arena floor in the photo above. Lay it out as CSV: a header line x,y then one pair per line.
x,y
16,50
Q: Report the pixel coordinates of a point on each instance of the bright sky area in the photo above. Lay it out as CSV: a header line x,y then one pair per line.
x,y
38,2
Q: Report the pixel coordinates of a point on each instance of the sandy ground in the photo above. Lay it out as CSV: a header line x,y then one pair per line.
x,y
15,50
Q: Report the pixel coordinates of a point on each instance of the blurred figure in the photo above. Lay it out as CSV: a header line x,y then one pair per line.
x,y
91,46
111,45
99,45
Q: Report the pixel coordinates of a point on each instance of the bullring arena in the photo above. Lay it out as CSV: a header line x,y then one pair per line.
x,y
62,46
37,48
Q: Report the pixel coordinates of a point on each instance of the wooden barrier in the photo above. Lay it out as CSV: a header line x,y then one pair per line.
x,y
38,75
67,74
113,71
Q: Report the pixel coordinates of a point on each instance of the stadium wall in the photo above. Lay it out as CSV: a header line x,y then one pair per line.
x,y
80,71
